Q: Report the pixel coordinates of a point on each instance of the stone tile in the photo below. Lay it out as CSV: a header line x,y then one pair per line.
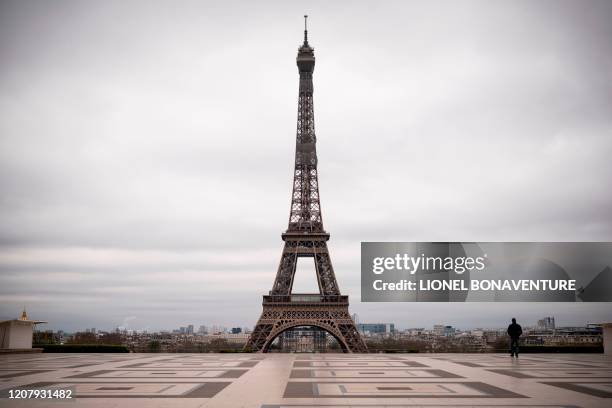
x,y
300,380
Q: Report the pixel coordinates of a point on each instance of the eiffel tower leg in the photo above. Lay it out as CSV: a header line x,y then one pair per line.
x,y
353,339
325,272
258,338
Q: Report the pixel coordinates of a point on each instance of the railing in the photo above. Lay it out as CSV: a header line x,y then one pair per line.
x,y
306,298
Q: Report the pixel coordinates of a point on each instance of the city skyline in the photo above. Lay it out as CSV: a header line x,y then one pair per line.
x,y
215,327
146,150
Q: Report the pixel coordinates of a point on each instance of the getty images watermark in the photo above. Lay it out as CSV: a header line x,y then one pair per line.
x,y
483,272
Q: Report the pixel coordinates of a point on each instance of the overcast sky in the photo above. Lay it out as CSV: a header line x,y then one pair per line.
x,y
146,148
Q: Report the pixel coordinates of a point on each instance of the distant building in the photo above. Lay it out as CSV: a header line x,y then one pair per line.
x,y
17,333
376,328
236,330
547,323
443,330
590,334
239,338
190,329
203,330
303,340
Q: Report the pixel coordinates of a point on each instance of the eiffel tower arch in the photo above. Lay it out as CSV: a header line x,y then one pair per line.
x,y
305,237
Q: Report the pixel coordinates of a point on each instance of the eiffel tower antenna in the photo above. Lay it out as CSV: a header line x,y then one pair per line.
x,y
305,237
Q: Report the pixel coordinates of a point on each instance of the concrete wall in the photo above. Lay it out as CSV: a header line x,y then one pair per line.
x,y
4,335
607,338
15,334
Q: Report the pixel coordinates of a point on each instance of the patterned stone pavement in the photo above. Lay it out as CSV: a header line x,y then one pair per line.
x,y
301,380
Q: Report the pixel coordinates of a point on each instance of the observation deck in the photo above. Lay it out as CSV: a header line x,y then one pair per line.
x,y
306,298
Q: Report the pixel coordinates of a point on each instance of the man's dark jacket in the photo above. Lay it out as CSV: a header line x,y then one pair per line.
x,y
515,330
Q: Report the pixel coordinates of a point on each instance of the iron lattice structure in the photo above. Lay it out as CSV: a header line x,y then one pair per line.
x,y
305,237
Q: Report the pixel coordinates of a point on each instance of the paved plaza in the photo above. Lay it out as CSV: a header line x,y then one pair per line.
x,y
299,380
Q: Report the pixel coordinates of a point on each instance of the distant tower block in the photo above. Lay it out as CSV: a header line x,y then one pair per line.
x,y
305,237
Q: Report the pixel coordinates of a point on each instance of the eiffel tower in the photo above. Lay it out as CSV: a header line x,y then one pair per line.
x,y
305,237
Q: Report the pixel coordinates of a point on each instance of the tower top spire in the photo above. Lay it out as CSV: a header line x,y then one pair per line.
x,y
305,58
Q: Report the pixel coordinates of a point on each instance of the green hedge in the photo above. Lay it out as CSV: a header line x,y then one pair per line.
x,y
82,348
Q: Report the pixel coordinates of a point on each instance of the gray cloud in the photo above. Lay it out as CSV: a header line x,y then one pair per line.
x,y
146,147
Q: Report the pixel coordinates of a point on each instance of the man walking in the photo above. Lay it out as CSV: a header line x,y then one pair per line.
x,y
514,331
